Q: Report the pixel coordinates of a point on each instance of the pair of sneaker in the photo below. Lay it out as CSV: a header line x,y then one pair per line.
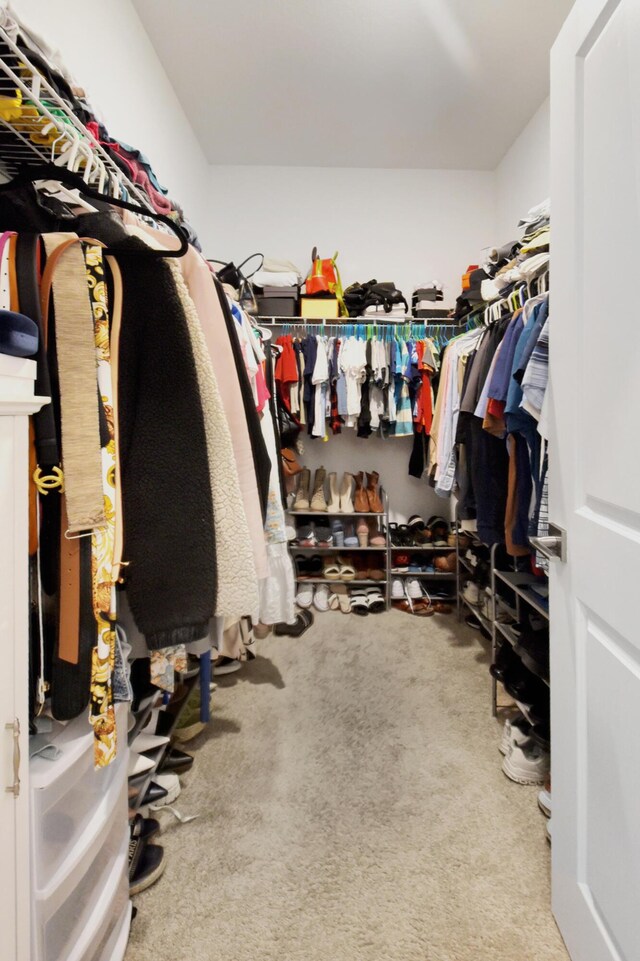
x,y
526,760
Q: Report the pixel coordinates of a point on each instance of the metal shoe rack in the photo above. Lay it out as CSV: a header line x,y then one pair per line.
x,y
357,582
520,584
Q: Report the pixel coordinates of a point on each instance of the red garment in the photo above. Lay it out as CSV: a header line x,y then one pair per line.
x,y
423,416
286,372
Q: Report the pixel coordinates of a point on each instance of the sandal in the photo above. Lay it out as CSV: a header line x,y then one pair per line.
x,y
359,603
347,572
375,600
332,571
342,595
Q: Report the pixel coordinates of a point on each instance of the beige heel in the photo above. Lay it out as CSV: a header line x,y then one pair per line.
x,y
362,530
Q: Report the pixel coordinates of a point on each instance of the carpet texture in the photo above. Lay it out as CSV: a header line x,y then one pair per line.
x,y
352,808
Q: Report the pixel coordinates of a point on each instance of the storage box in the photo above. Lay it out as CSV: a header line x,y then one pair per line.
x,y
277,301
319,308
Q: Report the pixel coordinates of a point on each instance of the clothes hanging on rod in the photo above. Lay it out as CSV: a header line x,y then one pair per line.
x,y
489,439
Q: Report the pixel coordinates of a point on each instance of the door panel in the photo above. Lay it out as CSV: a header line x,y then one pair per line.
x,y
595,479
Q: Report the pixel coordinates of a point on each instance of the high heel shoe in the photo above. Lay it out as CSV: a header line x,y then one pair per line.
x,y
346,501
376,536
362,530
373,497
361,500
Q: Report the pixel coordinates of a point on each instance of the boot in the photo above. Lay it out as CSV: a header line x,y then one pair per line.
x,y
301,502
375,502
346,503
334,499
318,503
361,501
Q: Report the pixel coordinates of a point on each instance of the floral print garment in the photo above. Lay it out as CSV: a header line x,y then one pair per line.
x,y
102,716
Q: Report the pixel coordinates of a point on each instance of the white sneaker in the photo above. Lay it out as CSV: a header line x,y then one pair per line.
x,y
413,589
171,784
304,597
544,803
397,589
145,741
321,598
471,593
512,736
527,764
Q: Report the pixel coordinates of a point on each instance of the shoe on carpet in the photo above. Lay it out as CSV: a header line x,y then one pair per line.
x,y
321,598
527,764
149,867
515,732
544,802
303,621
359,603
171,784
225,665
154,794
144,828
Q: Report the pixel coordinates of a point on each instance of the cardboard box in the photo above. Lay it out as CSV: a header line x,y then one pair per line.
x,y
319,308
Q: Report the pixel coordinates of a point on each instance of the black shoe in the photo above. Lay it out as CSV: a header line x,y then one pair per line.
x,y
144,828
149,867
533,650
154,793
303,621
176,762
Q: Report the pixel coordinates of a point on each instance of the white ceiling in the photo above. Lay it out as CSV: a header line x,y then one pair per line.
x,y
356,83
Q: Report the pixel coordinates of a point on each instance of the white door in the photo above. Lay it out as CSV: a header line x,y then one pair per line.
x,y
595,479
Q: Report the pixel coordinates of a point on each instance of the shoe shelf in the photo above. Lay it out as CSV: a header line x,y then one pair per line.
x,y
427,547
333,550
519,582
439,575
158,756
299,513
337,580
143,716
486,623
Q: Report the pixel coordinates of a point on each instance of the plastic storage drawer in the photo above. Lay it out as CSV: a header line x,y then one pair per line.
x,y
69,799
72,925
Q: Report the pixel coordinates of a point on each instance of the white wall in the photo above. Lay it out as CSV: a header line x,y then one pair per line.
x,y
402,225
107,50
522,176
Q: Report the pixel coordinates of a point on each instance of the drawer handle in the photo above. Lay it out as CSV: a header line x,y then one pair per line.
x,y
15,787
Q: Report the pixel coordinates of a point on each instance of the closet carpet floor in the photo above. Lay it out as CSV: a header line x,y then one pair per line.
x,y
351,807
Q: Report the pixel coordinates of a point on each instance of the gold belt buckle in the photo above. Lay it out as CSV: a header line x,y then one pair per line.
x,y
48,482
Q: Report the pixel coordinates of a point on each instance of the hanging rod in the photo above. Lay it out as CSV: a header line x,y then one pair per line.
x,y
359,321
